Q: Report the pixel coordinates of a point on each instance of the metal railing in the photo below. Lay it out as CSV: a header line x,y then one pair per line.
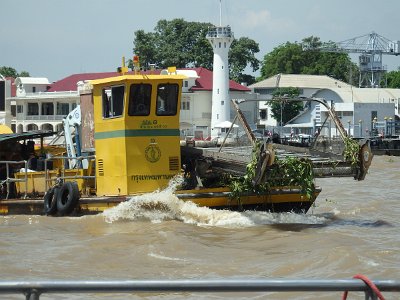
x,y
219,31
52,94
33,289
80,159
41,118
10,180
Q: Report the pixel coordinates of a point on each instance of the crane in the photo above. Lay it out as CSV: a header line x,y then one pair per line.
x,y
371,48
73,119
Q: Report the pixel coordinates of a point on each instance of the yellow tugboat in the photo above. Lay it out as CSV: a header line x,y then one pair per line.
x,y
127,142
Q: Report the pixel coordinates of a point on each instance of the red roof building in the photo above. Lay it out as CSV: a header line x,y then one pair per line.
x,y
70,83
204,82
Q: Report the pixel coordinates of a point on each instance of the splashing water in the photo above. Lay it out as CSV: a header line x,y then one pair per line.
x,y
163,205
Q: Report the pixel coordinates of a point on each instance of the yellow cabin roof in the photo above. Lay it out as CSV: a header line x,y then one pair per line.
x,y
136,77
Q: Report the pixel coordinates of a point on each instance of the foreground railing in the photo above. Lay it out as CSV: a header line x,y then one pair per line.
x,y
79,159
9,173
33,289
10,169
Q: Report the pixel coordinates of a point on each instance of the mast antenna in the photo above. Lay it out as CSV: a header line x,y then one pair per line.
x,y
220,12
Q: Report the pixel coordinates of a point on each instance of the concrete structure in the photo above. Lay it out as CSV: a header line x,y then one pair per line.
x,y
221,38
358,108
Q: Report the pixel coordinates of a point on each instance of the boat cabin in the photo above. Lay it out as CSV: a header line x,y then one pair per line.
x,y
134,121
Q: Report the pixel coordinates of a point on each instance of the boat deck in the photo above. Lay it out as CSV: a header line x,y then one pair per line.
x,y
235,159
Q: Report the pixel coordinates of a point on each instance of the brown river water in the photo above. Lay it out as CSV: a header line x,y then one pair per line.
x,y
353,229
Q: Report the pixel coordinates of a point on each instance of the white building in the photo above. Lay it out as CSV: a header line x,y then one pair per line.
x,y
358,108
37,107
31,85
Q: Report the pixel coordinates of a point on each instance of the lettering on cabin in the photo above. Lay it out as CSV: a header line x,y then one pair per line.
x,y
152,124
143,177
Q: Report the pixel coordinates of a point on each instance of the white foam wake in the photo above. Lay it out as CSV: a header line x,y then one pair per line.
x,y
163,205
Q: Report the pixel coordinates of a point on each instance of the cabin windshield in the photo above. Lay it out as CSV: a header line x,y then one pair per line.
x,y
113,101
167,99
139,100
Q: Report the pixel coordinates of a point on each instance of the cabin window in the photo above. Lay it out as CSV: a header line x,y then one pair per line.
x,y
113,101
139,100
167,99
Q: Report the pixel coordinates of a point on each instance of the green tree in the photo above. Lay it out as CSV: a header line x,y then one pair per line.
x,y
281,107
145,48
8,72
284,59
174,43
184,44
306,58
241,54
24,74
393,79
11,72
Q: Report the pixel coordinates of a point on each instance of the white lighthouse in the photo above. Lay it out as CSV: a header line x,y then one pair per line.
x,y
221,38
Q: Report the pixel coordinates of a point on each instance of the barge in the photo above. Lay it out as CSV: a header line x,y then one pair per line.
x,y
127,143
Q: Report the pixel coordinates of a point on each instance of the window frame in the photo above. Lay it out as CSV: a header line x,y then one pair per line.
x,y
110,105
135,107
171,108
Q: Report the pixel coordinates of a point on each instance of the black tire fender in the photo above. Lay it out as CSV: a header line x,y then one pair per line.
x,y
50,201
67,198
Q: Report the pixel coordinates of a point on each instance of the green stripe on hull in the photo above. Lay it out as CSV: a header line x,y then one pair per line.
x,y
135,133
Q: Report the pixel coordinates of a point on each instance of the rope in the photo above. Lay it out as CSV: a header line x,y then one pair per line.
x,y
370,284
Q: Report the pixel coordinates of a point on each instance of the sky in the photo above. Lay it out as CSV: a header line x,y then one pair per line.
x,y
58,38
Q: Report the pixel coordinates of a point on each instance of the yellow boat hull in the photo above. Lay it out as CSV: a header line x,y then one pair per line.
x,y
278,200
